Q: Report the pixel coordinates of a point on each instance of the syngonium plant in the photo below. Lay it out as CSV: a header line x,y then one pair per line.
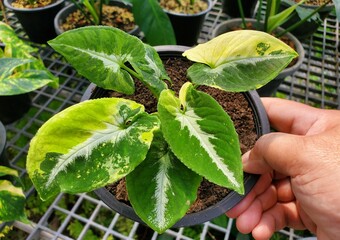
x,y
163,155
21,71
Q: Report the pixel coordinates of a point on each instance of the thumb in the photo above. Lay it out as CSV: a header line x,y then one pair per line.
x,y
281,152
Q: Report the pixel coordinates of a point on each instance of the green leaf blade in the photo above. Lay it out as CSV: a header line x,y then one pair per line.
x,y
232,66
165,188
89,145
212,147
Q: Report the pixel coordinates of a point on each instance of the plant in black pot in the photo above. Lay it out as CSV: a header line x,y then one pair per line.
x,y
20,73
270,22
307,26
187,17
164,153
130,16
36,17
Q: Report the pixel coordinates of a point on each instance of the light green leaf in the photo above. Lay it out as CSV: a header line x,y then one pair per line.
x,y
89,145
12,202
202,136
161,189
13,82
102,54
337,8
239,60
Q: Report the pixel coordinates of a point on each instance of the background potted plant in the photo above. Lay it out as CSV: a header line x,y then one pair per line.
x,y
100,141
317,10
269,23
112,13
147,15
187,18
231,8
20,73
36,17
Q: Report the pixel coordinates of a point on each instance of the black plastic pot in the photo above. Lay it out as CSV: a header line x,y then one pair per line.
x,y
262,127
3,160
187,27
309,27
67,10
37,22
230,7
14,107
270,88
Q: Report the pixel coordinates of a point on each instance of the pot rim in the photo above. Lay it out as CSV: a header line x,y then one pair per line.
x,y
261,121
9,6
327,8
2,140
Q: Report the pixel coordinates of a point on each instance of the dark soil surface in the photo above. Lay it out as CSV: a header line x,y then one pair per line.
x,y
234,104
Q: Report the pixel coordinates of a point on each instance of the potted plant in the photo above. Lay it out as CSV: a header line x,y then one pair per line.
x,y
148,17
163,154
187,17
317,10
270,24
36,17
114,13
20,73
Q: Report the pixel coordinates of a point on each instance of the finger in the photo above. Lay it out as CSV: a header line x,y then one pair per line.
x,y
276,218
284,153
251,217
284,190
261,186
289,116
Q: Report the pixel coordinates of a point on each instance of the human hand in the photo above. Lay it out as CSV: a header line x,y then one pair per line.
x,y
299,165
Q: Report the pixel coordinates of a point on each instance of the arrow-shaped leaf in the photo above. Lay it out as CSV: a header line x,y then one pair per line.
x,y
161,189
89,145
239,60
202,136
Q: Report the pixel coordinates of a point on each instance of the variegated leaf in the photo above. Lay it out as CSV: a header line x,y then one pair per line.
x,y
89,145
239,60
12,198
202,136
12,202
14,82
101,54
161,189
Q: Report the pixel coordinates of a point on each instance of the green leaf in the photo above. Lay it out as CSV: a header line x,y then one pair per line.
x,y
89,145
154,22
337,8
239,60
161,189
13,81
202,136
278,19
102,54
12,202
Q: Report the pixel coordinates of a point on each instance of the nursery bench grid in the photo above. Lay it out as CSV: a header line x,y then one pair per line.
x,y
84,216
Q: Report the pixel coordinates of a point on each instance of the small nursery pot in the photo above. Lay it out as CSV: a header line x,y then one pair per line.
x,y
2,145
270,88
37,22
261,125
14,107
67,10
187,27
